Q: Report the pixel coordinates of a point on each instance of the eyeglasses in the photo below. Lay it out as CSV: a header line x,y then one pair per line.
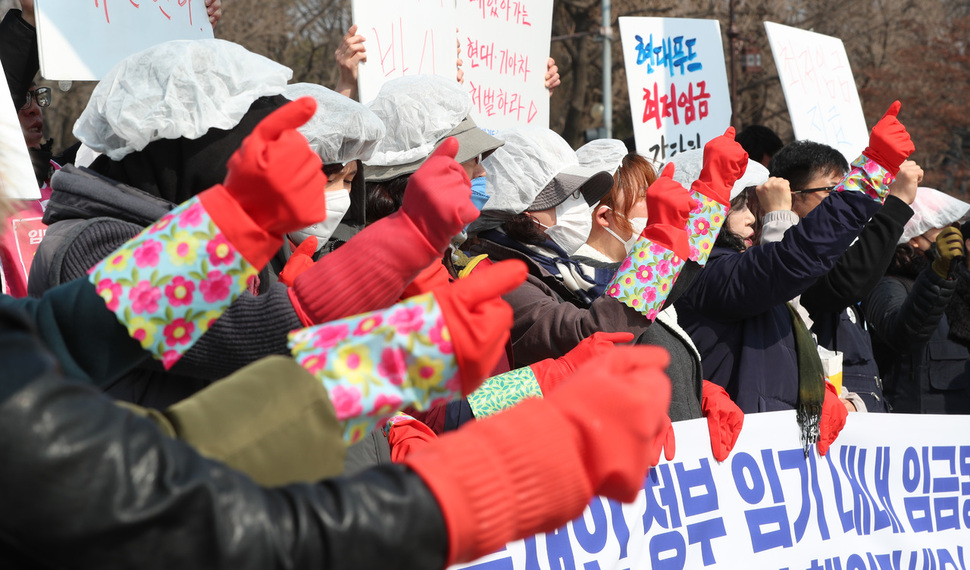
x,y
41,94
810,190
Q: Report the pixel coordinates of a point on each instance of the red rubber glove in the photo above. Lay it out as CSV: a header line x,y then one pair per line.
x,y
664,440
478,319
438,197
535,467
724,419
407,436
435,275
551,371
274,185
724,163
300,260
833,419
668,207
889,143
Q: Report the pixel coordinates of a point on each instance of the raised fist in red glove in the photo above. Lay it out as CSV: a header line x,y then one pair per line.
x,y
478,319
438,197
724,419
724,163
668,207
300,260
889,143
274,185
551,371
833,419
275,176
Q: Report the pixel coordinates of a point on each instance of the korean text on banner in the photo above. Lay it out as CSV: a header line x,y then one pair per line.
x,y
819,88
504,49
677,83
404,37
83,40
16,172
892,492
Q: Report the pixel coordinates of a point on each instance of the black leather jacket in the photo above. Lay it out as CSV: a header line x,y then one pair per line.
x,y
87,484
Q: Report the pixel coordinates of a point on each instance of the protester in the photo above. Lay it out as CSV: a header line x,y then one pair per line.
x,y
831,304
737,311
924,371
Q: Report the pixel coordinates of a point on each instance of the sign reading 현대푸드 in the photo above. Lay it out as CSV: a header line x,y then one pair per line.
x,y
404,37
504,49
819,88
677,83
83,39
893,492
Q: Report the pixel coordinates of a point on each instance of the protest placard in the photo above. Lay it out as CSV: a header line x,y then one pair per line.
x,y
405,37
504,49
16,173
892,492
83,39
819,88
677,83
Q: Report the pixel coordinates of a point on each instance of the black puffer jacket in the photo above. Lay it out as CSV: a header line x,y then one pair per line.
x,y
923,371
86,484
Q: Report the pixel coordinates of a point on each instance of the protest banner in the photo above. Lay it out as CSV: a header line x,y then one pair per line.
x,y
504,49
16,173
819,89
83,39
404,37
893,492
677,83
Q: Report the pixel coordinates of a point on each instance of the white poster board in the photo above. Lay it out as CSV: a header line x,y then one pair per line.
x,y
83,39
819,88
504,49
893,492
677,83
17,179
404,37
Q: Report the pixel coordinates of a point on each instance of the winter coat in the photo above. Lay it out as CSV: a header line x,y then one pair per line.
x,y
735,310
549,320
923,371
88,484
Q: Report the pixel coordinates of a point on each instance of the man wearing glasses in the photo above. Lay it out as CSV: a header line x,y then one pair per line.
x,y
804,173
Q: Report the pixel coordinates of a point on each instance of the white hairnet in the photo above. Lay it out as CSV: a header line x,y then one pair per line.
x,y
175,89
523,166
688,165
932,209
602,154
417,111
342,129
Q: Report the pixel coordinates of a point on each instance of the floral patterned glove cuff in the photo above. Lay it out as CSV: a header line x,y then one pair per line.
x,y
645,278
377,363
703,225
867,176
504,391
172,281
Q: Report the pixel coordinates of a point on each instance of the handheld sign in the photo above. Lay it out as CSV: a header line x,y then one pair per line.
x,y
504,49
83,39
819,88
404,37
892,492
677,83
16,173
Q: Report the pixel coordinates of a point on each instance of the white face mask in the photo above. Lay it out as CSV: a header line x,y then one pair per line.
x,y
574,221
338,204
637,224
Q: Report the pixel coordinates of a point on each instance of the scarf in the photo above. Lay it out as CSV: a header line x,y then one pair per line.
x,y
811,382
586,278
